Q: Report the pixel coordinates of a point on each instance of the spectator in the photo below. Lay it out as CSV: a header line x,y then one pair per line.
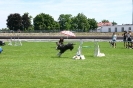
x,y
114,38
129,39
125,38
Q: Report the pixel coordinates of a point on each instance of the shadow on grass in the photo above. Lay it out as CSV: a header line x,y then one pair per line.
x,y
89,55
58,57
53,47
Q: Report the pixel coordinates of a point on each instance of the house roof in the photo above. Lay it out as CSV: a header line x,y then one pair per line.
x,y
104,24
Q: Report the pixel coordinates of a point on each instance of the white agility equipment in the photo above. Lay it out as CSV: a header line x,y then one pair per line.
x,y
79,52
10,42
17,42
97,52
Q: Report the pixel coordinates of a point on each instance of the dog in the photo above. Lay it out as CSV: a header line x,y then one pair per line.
x,y
2,43
130,46
63,48
111,43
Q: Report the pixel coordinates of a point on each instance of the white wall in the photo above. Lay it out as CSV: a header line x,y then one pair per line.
x,y
114,28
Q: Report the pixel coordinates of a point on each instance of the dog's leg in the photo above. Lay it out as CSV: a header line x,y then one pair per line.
x,y
56,47
111,44
59,54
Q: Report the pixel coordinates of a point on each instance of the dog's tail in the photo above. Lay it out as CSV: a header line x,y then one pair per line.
x,y
71,44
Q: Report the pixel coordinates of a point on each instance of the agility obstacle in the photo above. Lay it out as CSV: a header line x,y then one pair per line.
x,y
10,42
79,52
97,52
17,42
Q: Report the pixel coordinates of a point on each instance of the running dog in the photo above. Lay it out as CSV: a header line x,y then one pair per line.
x,y
63,48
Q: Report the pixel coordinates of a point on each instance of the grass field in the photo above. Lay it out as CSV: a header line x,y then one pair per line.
x,y
36,65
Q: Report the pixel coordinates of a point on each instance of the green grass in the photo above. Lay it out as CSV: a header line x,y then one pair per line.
x,y
36,65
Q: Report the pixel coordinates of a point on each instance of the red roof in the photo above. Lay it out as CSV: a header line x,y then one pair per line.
x,y
104,24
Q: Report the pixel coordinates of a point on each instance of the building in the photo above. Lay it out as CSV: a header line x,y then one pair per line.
x,y
114,28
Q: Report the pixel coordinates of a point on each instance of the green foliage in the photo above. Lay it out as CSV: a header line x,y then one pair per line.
x,y
82,22
56,25
114,23
43,22
17,22
65,21
74,24
93,24
105,21
35,65
46,22
26,21
14,22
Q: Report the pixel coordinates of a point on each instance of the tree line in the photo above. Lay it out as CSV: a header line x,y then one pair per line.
x,y
44,21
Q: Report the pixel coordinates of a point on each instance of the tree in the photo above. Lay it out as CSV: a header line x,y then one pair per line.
x,y
65,21
81,22
26,21
93,24
43,22
74,24
14,22
38,22
105,21
114,23
56,25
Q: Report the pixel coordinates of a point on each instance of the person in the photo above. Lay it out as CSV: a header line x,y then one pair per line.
x,y
114,37
129,40
125,38
60,42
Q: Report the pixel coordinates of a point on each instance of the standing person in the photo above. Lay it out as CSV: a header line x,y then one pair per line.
x,y
61,41
129,39
125,38
114,37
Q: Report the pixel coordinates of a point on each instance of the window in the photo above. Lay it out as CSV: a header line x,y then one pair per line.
x,y
116,29
129,28
109,30
122,29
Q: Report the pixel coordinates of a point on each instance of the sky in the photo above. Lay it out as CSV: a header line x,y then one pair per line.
x,y
119,11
